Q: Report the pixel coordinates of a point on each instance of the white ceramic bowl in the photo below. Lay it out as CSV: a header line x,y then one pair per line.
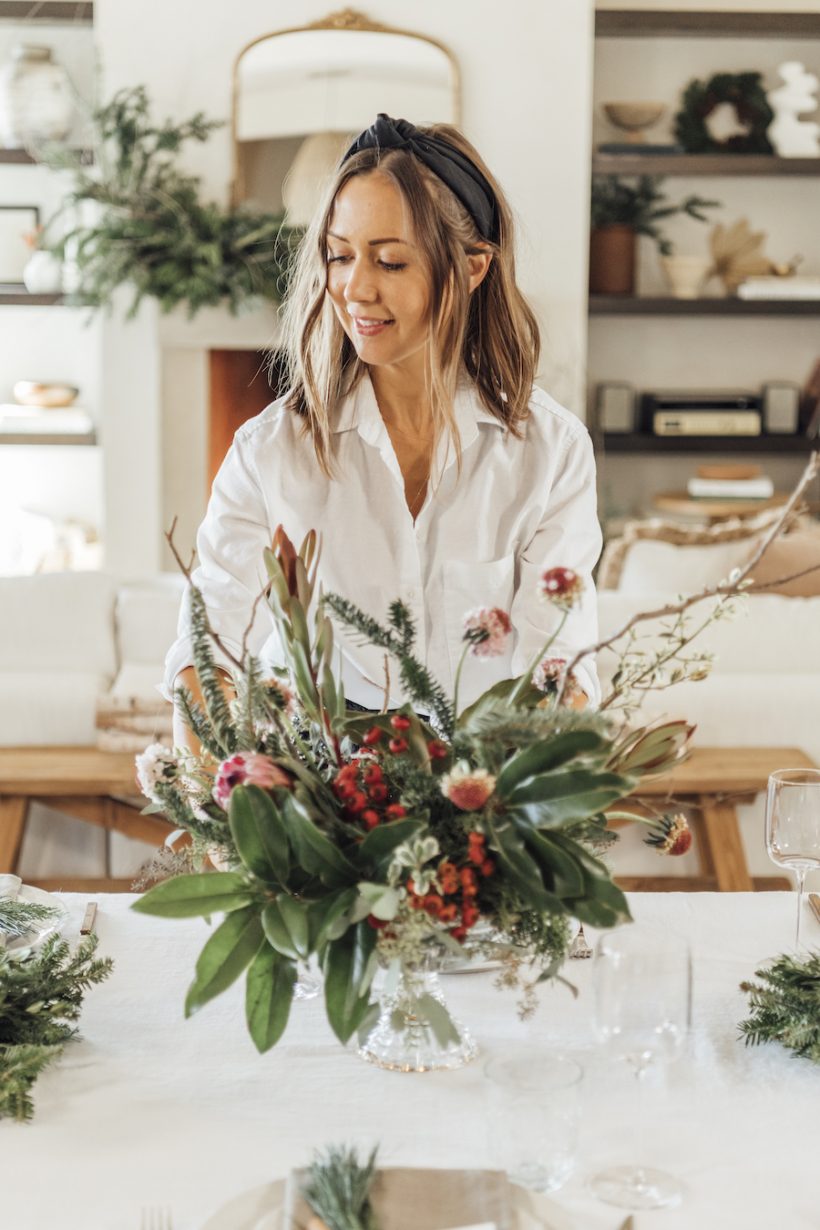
x,y
50,396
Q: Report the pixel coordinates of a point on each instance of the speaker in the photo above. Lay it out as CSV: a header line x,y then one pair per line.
x,y
781,408
615,407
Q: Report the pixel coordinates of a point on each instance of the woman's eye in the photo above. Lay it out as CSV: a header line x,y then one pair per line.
x,y
392,267
332,260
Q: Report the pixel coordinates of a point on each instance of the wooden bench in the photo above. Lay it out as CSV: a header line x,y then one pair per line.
x,y
712,782
97,787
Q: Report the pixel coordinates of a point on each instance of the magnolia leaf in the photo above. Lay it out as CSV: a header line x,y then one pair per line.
x,y
439,1020
259,833
268,996
196,896
522,869
545,756
379,844
315,852
563,871
570,795
329,918
226,955
498,693
348,972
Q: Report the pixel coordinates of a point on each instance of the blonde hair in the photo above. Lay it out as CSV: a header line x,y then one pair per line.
x,y
490,333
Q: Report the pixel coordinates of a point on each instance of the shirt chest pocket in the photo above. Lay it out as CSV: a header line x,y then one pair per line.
x,y
468,586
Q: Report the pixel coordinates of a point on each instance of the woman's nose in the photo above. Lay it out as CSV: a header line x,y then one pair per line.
x,y
360,287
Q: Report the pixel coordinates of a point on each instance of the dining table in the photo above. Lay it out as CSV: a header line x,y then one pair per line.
x,y
148,1109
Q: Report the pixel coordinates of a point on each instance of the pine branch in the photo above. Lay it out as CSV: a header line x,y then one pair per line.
x,y
786,1008
338,1189
18,917
210,680
196,722
417,680
19,1068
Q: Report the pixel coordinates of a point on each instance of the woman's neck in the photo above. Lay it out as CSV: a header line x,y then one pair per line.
x,y
403,399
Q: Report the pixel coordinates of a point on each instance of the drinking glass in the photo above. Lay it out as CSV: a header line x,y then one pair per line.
x,y
643,982
793,825
534,1119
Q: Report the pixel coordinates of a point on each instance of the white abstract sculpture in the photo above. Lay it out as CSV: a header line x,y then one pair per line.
x,y
790,136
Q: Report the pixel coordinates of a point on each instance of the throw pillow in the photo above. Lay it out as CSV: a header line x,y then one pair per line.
x,y
787,556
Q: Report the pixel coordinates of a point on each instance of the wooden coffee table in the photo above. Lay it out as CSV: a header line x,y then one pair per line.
x,y
97,787
712,782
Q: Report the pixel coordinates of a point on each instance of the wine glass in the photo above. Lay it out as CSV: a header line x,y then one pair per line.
x,y
793,825
643,982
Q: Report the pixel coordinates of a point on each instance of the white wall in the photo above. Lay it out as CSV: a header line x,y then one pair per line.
x,y
739,6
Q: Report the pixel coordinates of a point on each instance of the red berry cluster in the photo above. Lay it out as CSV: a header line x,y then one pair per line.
x,y
455,905
360,788
373,737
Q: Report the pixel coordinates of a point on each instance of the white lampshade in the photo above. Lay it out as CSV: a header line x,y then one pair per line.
x,y
316,160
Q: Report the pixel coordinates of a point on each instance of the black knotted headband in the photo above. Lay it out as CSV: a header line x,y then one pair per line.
x,y
461,176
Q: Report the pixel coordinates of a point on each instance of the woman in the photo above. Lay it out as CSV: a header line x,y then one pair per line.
x,y
411,438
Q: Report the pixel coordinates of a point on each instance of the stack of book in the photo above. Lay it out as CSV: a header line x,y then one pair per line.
x,y
780,288
730,482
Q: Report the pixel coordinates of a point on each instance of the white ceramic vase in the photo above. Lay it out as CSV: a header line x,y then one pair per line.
x,y
43,274
36,97
686,274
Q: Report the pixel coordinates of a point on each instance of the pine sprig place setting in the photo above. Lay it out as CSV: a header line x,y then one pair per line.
x,y
785,1005
41,995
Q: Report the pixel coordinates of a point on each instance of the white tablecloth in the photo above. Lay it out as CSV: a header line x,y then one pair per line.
x,y
151,1109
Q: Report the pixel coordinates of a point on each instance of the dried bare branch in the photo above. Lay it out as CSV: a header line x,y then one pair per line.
x,y
728,589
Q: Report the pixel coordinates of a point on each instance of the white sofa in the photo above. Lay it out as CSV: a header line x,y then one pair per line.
x,y
67,638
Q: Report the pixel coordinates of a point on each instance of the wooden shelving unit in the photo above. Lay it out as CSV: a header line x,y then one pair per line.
x,y
39,438
680,23
635,305
73,12
13,294
636,442
24,157
703,164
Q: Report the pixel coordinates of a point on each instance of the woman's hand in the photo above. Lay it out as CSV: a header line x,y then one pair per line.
x,y
188,679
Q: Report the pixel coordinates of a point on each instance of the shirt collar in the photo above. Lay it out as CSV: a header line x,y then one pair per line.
x,y
359,410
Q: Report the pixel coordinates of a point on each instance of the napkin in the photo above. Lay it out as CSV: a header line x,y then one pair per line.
x,y
10,885
408,1199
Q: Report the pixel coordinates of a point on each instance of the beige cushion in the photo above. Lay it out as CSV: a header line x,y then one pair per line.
x,y
665,555
787,556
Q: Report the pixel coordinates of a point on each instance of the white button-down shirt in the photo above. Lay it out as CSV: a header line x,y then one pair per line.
x,y
481,538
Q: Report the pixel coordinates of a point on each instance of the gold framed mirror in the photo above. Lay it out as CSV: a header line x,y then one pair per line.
x,y
301,94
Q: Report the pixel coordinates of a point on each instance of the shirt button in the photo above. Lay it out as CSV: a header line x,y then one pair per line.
x,y
412,595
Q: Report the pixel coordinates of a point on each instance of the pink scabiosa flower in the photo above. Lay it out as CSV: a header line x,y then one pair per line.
x,y
561,586
248,769
548,677
672,835
468,788
156,764
487,629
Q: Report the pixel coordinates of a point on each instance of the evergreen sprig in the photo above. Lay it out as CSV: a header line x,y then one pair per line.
x,y
786,1007
210,680
338,1189
152,230
40,1000
17,918
398,640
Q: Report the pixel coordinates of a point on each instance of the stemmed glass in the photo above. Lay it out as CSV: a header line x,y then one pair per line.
x,y
643,1006
793,825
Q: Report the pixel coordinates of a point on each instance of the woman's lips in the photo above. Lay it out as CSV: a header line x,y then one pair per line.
x,y
369,327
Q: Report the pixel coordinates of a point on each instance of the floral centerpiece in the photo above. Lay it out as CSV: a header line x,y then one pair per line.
x,y
390,839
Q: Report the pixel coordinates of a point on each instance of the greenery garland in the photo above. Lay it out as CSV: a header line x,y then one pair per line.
x,y
743,91
152,230
786,1008
40,1000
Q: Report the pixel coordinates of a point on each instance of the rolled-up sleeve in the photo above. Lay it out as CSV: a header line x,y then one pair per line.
x,y
230,572
568,536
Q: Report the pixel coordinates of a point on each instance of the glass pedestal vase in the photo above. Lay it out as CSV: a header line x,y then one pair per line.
x,y
415,1031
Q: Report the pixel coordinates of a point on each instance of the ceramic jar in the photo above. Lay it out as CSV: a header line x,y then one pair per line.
x,y
43,274
36,97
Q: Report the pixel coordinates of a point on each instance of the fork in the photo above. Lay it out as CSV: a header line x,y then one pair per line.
x,y
579,948
155,1218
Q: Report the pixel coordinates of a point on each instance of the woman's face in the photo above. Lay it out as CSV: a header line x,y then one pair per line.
x,y
375,276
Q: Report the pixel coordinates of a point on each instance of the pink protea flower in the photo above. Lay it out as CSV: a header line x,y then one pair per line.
x,y
548,677
247,769
468,788
561,586
671,836
487,630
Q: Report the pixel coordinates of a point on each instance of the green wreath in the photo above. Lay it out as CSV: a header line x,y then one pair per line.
x,y
746,94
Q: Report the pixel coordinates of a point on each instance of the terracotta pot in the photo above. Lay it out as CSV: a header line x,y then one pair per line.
x,y
612,260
